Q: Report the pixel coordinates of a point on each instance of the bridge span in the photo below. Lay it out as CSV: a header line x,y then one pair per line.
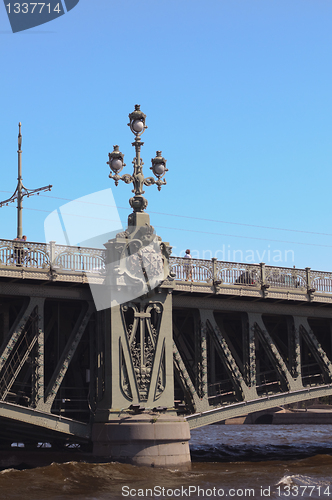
x,y
250,337
245,338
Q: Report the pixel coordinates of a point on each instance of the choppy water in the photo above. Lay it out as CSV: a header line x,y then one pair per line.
x,y
255,461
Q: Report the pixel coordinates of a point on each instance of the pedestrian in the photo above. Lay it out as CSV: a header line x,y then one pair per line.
x,y
188,266
17,254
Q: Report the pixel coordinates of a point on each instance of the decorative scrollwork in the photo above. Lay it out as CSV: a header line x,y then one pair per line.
x,y
148,181
142,324
285,278
127,178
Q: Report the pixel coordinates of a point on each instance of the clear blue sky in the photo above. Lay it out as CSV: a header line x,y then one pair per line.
x,y
237,95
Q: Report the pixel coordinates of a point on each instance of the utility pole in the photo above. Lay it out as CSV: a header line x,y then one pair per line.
x,y
21,190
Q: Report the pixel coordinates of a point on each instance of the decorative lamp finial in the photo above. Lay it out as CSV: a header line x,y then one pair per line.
x,y
19,136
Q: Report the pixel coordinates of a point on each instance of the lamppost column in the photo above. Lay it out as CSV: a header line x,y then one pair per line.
x,y
19,186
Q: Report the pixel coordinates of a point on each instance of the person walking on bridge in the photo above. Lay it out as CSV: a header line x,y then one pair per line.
x,y
188,266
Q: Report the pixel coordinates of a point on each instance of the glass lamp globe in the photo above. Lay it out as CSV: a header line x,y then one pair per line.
x,y
159,168
138,126
116,165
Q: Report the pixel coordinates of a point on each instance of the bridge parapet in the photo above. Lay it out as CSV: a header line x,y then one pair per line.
x,y
17,253
262,276
62,260
49,260
77,258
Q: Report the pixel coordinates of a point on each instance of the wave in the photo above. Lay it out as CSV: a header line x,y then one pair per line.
x,y
102,481
252,453
299,482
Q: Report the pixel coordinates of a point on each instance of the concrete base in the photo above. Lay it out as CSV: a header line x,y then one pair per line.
x,y
156,440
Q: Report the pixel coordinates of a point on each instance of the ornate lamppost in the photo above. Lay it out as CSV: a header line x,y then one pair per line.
x,y
138,202
21,190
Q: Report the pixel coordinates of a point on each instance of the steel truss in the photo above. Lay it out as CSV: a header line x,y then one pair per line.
x,y
47,351
234,363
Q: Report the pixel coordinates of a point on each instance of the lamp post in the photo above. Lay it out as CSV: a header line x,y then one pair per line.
x,y
138,202
21,190
137,342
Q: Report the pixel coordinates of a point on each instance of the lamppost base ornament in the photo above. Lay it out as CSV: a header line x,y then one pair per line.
x,y
138,203
138,219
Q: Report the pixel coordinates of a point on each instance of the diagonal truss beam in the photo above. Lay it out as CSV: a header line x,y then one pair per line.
x,y
15,333
66,358
207,318
317,350
185,378
20,345
280,366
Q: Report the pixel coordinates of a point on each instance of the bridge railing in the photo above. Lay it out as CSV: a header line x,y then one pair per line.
x,y
43,256
219,273
281,277
23,254
254,275
77,258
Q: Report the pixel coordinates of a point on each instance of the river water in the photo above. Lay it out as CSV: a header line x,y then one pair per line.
x,y
234,461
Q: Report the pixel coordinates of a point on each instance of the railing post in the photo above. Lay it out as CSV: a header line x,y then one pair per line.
x,y
310,290
308,276
216,282
264,285
52,251
262,264
214,269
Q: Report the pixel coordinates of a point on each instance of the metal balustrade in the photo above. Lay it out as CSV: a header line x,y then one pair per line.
x,y
322,285
51,256
63,258
254,275
20,254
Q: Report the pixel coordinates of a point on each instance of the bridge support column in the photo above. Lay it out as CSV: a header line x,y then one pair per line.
x,y
135,420
144,439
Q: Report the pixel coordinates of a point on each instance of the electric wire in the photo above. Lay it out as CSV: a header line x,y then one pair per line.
x,y
190,230
187,217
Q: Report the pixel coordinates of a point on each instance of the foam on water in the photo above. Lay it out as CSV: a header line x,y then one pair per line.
x,y
297,480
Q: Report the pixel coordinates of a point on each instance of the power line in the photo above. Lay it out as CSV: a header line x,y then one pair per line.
x,y
192,217
203,219
195,230
245,237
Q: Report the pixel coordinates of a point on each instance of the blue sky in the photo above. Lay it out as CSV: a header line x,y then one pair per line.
x,y
237,95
